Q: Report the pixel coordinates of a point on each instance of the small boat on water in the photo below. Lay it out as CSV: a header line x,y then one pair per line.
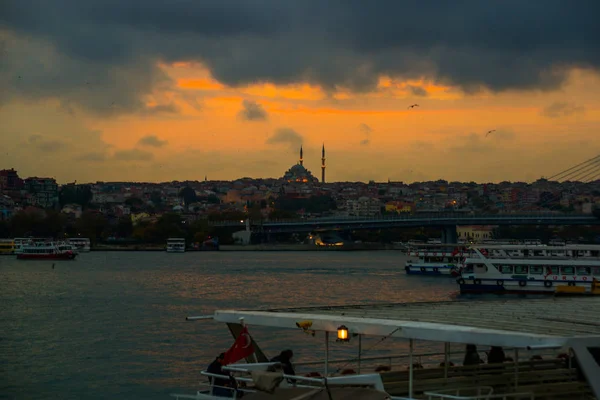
x,y
7,247
81,244
522,269
47,251
435,259
176,245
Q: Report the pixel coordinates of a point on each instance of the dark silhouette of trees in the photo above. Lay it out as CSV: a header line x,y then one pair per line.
x,y
188,195
75,194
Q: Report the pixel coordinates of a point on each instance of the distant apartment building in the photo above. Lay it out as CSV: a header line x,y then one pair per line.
x,y
363,207
42,192
399,207
475,233
9,180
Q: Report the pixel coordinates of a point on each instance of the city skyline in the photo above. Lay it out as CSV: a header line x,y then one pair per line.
x,y
153,97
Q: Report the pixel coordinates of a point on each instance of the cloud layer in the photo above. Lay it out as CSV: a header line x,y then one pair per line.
x,y
252,111
103,54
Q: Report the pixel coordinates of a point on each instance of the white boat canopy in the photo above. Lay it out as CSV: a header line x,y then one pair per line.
x,y
519,323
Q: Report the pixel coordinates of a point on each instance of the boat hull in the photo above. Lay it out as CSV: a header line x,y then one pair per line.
x,y
65,256
519,286
430,270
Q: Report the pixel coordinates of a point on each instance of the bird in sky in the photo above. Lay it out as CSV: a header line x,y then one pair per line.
x,y
413,106
488,132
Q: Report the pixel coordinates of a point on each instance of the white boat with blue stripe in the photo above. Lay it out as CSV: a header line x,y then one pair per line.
x,y
435,260
570,269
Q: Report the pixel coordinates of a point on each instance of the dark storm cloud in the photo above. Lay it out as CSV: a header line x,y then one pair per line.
x,y
366,131
44,144
417,91
562,109
133,155
152,141
252,111
496,44
286,136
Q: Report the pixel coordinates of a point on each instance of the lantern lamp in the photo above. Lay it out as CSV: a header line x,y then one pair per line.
x,y
342,334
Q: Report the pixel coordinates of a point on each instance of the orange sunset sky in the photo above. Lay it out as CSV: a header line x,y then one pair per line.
x,y
193,125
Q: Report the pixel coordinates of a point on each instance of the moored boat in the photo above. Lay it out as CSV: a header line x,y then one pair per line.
x,y
527,359
569,269
175,245
47,251
435,260
7,247
81,244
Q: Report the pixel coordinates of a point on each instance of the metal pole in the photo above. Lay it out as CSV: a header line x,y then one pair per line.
x,y
446,358
326,353
410,369
516,368
359,351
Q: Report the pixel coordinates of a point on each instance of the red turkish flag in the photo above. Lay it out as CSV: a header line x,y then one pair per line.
x,y
242,348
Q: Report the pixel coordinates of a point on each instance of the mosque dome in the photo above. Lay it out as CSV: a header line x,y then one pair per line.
x,y
298,173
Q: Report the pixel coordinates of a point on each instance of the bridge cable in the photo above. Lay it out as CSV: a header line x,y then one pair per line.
x,y
569,169
576,174
583,177
594,171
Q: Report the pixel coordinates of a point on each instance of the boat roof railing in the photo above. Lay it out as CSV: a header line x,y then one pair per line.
x,y
506,323
595,247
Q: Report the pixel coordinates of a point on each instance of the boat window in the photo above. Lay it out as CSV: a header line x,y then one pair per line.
x,y
521,269
596,271
469,268
539,253
506,269
536,269
583,270
552,270
567,270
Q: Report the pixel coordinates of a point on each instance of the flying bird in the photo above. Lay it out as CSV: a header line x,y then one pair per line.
x,y
493,130
413,106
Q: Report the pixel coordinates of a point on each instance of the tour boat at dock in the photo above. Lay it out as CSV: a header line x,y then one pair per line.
x,y
535,361
568,269
81,244
47,251
175,245
435,260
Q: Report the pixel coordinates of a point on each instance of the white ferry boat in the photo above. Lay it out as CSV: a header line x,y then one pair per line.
x,y
435,260
175,245
47,251
80,244
573,269
7,247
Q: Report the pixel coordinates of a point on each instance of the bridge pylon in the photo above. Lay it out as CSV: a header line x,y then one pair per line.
x,y
449,234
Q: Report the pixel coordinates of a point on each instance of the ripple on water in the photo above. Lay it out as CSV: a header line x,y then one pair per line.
x,y
113,324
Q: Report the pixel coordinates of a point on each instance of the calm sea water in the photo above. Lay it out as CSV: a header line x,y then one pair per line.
x,y
112,324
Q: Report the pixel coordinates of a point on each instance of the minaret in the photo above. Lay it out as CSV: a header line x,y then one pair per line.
x,y
323,164
301,160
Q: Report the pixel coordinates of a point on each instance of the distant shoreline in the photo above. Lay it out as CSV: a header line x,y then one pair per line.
x,y
261,247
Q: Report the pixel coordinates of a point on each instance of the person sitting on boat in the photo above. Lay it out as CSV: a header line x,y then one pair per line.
x,y
472,356
496,355
285,359
221,385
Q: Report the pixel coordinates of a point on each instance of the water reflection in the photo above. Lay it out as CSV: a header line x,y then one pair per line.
x,y
113,324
